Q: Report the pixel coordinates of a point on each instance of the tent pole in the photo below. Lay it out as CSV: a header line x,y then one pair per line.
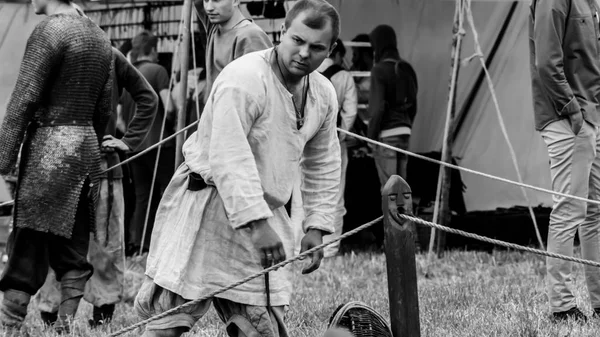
x,y
444,179
184,67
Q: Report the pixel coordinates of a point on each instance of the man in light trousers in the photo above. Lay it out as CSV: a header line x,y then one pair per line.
x,y
565,72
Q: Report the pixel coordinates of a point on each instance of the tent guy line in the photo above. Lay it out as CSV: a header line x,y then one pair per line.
x,y
488,77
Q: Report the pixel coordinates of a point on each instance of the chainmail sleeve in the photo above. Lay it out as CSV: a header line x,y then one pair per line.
x,y
104,106
41,55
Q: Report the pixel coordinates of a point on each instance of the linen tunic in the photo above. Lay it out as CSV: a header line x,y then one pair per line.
x,y
248,149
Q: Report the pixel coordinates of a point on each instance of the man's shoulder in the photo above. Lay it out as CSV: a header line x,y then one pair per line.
x,y
60,27
247,71
250,62
251,38
150,68
323,86
251,30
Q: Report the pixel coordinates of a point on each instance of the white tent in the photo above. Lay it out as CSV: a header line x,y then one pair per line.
x,y
424,29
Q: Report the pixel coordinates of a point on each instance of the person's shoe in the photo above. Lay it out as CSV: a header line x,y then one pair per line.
x,y
13,309
573,313
49,318
102,315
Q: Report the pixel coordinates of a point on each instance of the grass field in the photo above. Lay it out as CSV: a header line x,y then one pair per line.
x,y
466,294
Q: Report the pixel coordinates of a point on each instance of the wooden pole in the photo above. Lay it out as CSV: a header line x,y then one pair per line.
x,y
400,259
184,57
439,243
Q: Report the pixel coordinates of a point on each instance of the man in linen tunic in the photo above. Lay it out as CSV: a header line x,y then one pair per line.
x,y
247,148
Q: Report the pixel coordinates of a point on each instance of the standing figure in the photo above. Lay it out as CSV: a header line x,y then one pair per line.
x,y
229,36
392,107
222,217
565,74
392,103
343,82
145,56
58,113
107,248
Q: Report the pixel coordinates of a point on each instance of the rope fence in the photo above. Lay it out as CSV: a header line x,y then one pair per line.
x,y
343,236
247,279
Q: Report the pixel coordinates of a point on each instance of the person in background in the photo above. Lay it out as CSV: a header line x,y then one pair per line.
x,y
229,35
343,82
145,58
565,75
392,103
392,106
362,60
107,247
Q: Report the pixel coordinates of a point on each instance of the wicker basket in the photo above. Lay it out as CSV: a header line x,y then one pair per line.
x,y
361,320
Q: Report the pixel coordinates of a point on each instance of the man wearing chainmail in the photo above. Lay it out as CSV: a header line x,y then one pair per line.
x,y
58,113
107,251
222,217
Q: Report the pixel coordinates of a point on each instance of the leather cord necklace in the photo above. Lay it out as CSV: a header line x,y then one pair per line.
x,y
299,113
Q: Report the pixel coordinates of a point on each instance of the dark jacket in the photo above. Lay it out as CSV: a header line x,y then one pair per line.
x,y
127,77
386,109
564,60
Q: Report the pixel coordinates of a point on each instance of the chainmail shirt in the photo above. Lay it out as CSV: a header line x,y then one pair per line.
x,y
58,113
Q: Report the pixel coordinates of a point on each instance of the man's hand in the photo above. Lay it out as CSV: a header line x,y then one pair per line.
x,y
576,121
110,143
267,242
313,238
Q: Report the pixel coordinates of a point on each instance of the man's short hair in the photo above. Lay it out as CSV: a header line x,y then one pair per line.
x,y
143,43
319,13
339,48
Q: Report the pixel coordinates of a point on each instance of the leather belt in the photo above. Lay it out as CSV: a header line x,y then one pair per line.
x,y
195,182
42,124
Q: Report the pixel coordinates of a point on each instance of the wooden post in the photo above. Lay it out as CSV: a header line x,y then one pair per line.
x,y
400,258
184,52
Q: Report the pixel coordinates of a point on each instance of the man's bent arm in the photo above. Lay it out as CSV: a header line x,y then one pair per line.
x,y
145,98
350,105
231,159
548,32
321,168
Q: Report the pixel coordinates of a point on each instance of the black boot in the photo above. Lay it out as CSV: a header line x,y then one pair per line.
x,y
102,315
49,318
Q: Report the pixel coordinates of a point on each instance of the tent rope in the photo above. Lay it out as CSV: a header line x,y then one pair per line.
x,y
456,48
490,83
464,169
162,130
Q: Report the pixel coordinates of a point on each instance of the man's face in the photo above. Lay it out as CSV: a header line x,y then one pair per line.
x,y
39,6
220,11
303,49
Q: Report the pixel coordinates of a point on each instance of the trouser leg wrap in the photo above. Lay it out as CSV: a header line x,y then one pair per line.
x,y
72,288
14,308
